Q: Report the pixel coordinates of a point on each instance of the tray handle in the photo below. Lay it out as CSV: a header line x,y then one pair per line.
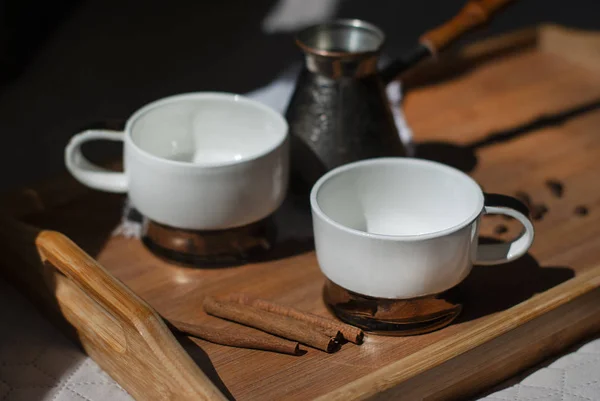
x,y
120,331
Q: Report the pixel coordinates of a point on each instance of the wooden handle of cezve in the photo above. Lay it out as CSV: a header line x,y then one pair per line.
x,y
472,15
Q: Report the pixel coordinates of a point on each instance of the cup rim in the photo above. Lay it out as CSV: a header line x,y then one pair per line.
x,y
341,22
205,95
397,161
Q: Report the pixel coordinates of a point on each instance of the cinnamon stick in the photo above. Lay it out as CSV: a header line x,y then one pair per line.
x,y
282,326
256,340
350,333
336,335
329,331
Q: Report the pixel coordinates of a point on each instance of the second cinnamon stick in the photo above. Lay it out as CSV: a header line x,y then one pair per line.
x,y
279,325
350,333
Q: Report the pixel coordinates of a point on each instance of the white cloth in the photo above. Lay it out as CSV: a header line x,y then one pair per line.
x,y
573,377
37,363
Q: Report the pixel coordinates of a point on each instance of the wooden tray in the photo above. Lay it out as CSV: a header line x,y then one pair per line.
x,y
512,111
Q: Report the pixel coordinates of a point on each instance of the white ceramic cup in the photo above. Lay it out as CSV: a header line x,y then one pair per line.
x,y
401,228
201,161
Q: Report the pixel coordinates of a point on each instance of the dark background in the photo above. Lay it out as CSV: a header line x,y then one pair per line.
x,y
66,64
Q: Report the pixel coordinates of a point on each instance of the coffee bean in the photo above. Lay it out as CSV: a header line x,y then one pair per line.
x,y
524,197
500,229
538,211
581,210
556,187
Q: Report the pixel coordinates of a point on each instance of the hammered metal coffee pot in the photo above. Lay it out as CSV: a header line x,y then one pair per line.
x,y
339,112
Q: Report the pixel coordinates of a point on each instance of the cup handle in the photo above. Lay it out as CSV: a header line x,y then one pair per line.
x,y
88,173
494,254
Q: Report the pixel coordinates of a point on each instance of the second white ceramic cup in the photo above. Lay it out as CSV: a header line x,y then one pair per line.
x,y
201,161
401,228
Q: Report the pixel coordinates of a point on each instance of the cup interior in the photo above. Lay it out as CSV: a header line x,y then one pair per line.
x,y
207,129
398,197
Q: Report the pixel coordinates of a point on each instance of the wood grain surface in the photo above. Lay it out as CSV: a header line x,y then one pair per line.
x,y
513,112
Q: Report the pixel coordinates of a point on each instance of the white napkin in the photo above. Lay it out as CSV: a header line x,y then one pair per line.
x,y
37,363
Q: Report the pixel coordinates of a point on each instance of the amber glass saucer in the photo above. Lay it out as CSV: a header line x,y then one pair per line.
x,y
394,317
213,248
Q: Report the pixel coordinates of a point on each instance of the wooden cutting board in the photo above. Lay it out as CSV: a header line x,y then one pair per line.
x,y
513,112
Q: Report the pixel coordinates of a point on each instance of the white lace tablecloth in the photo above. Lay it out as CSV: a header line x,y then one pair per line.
x,y
37,363
572,377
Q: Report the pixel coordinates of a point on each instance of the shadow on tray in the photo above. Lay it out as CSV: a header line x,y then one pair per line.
x,y
285,233
293,222
491,289
455,63
204,363
89,221
464,158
